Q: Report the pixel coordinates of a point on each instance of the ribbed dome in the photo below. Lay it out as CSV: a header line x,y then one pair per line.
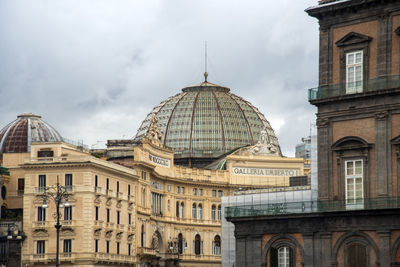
x,y
207,121
18,135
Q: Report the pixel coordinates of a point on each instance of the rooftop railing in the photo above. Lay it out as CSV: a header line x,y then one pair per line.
x,y
341,89
308,207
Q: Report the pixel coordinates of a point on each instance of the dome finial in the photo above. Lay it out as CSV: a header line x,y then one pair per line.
x,y
205,62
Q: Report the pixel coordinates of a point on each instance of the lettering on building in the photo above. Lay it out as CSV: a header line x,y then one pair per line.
x,y
160,161
265,171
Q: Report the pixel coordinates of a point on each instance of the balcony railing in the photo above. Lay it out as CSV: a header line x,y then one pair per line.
x,y
305,207
341,89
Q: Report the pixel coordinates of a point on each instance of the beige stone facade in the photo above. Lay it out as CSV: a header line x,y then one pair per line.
x,y
141,215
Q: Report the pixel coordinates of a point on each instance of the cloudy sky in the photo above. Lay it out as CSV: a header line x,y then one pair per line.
x,y
94,69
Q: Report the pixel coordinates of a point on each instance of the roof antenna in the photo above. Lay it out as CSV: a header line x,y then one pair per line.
x,y
205,63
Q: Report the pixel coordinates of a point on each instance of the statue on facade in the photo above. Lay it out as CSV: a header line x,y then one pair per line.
x,y
154,134
264,146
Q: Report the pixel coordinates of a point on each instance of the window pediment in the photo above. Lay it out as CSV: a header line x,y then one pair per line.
x,y
350,143
353,38
40,233
396,140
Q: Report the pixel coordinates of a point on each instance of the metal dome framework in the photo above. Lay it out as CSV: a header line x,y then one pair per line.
x,y
207,121
17,136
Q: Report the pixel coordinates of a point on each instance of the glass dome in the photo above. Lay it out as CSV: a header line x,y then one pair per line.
x,y
207,121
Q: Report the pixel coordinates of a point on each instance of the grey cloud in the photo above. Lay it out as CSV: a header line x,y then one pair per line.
x,y
94,69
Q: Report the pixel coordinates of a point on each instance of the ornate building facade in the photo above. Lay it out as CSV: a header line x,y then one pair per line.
x,y
354,222
142,202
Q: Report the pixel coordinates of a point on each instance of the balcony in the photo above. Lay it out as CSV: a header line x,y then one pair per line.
x,y
369,86
143,251
40,224
309,207
110,193
121,196
98,190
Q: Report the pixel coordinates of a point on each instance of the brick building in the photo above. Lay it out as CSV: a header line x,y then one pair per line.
x,y
354,222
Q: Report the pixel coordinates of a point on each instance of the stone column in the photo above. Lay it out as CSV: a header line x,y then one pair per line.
x,y
384,248
308,249
381,156
240,251
326,249
324,150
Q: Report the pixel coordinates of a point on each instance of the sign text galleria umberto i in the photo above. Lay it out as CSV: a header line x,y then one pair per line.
x,y
265,171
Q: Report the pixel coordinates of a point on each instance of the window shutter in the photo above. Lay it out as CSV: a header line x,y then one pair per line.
x,y
273,257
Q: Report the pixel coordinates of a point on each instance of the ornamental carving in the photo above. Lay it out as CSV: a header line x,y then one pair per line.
x,y
97,232
119,204
382,115
154,134
264,146
119,235
130,237
322,122
108,203
109,234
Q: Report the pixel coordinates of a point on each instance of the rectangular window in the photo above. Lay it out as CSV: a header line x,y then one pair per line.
x,y
354,183
129,190
108,184
200,191
129,218
129,248
183,190
143,175
108,215
219,193
118,215
194,191
117,187
96,245
219,213
178,190
354,72
68,181
214,193
45,154
68,213
42,182
117,247
41,215
107,246
96,181
40,247
97,213
21,186
169,188
67,246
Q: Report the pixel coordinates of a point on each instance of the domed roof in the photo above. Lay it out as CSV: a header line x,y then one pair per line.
x,y
207,121
18,135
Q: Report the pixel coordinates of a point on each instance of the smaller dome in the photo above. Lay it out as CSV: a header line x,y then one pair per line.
x,y
18,135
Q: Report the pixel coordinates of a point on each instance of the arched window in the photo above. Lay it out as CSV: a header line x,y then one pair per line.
x,y
213,211
200,212
194,211
217,245
197,245
143,236
177,209
182,214
219,213
281,256
180,243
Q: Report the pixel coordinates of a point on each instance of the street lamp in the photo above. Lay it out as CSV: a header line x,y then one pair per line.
x,y
58,194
